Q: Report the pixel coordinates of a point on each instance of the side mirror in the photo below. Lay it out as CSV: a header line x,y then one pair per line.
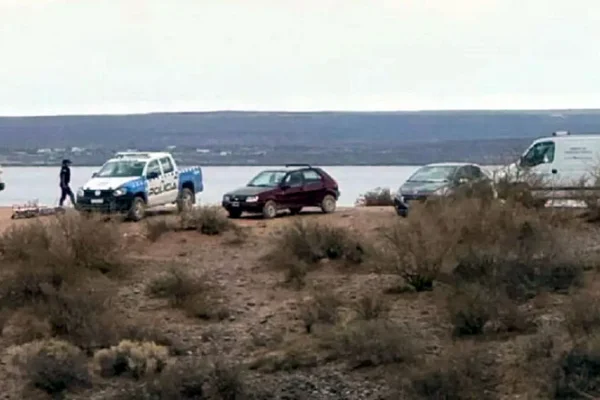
x,y
463,181
285,186
95,174
152,175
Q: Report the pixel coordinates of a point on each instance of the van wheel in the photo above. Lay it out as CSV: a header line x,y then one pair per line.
x,y
137,210
328,204
269,210
186,201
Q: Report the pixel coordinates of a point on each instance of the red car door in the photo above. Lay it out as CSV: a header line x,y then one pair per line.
x,y
314,187
293,194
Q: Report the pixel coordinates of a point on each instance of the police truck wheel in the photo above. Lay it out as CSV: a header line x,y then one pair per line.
x,y
270,210
186,201
137,210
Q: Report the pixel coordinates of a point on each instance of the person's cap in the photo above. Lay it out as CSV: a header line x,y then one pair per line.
x,y
66,161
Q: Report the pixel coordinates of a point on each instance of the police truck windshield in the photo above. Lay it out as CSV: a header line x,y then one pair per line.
x,y
122,169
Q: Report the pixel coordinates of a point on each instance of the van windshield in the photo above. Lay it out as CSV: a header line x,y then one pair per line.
x,y
539,153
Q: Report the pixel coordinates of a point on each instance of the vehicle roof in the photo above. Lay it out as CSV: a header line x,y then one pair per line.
x,y
291,168
450,164
571,137
139,155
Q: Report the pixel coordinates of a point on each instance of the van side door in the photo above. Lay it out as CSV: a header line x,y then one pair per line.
x,y
538,162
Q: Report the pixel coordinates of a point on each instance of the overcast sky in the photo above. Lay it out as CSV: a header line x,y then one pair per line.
x,y
120,56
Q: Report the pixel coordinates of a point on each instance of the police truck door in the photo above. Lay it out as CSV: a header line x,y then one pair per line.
x,y
155,178
170,180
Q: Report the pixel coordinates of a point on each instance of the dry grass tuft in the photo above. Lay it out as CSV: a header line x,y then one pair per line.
x,y
475,309
583,315
463,374
133,359
371,306
323,308
310,242
370,343
155,228
208,220
194,294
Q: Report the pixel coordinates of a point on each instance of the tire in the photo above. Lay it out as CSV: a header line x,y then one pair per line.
x,y
403,212
269,210
137,210
295,210
328,204
234,213
186,200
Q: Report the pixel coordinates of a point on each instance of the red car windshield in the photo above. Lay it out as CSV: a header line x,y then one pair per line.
x,y
267,179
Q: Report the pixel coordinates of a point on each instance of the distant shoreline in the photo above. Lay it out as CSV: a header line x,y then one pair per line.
x,y
14,165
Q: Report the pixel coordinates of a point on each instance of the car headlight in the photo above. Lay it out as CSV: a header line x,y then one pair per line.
x,y
440,192
399,196
120,192
226,198
251,199
80,192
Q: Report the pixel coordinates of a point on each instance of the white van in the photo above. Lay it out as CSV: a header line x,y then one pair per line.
x,y
560,162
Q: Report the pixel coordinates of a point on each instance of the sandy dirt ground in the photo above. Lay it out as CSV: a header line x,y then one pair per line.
x,y
263,321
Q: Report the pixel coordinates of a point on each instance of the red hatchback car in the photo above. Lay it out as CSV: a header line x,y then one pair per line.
x,y
293,188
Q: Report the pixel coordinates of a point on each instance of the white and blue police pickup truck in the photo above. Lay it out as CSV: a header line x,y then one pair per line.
x,y
133,182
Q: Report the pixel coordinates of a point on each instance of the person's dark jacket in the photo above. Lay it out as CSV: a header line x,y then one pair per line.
x,y
65,176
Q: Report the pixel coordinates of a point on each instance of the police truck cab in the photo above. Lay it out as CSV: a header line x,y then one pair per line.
x,y
133,182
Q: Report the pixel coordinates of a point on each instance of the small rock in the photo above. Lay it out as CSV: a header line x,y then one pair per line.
x,y
232,317
250,304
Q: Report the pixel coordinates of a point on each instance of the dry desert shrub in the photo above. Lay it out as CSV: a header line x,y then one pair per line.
x,y
367,343
192,379
578,372
419,247
371,306
583,314
378,197
475,309
155,228
311,242
208,220
66,243
322,308
53,366
133,359
197,295
462,374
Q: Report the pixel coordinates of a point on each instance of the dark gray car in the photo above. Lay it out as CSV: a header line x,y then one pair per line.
x,y
439,179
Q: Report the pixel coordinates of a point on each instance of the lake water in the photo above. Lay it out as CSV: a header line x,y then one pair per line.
x,y
41,183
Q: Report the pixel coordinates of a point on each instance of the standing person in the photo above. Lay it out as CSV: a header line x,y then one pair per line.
x,y
65,180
